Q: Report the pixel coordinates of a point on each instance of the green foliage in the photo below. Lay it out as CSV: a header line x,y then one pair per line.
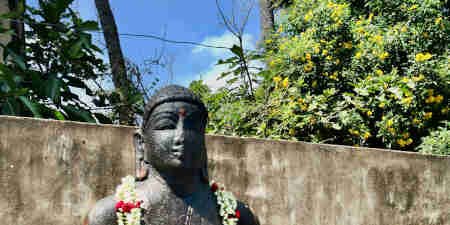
x,y
438,142
366,73
240,77
59,56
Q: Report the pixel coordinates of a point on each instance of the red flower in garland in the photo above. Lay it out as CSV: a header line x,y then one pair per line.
x,y
214,187
237,214
119,205
126,207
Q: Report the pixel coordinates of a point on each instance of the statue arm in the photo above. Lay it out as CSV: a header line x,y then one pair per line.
x,y
103,213
247,216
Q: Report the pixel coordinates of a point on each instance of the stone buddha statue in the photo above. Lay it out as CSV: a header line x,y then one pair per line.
x,y
174,188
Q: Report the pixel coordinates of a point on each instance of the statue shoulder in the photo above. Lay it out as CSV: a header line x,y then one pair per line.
x,y
247,216
103,213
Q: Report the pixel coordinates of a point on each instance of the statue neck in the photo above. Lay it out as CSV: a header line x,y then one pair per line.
x,y
183,183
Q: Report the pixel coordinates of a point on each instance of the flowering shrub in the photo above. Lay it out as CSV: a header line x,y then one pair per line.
x,y
438,142
371,73
366,73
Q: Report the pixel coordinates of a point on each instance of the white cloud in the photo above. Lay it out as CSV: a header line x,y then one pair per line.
x,y
227,39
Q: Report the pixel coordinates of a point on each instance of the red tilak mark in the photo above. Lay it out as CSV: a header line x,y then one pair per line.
x,y
182,112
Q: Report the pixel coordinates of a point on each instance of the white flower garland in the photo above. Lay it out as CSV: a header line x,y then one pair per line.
x,y
128,209
227,205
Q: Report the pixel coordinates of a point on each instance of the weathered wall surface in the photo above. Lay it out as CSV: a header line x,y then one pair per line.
x,y
299,183
51,173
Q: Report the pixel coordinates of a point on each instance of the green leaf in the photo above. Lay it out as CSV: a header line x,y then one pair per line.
x,y
75,50
87,26
59,115
102,118
53,87
237,51
33,107
15,57
79,114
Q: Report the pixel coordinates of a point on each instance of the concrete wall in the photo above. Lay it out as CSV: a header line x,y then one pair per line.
x,y
301,183
51,173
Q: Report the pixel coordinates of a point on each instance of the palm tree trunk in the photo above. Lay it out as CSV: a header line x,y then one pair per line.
x,y
267,18
116,60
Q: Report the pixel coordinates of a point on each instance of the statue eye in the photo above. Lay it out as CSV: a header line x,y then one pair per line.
x,y
164,124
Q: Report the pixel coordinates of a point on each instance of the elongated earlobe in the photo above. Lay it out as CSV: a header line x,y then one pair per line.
x,y
139,153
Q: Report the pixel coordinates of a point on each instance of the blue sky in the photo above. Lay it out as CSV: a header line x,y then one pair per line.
x,y
195,20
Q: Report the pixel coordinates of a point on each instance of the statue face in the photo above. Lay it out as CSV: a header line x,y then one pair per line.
x,y
175,137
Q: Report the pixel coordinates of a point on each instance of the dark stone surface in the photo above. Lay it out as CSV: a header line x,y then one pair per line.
x,y
177,187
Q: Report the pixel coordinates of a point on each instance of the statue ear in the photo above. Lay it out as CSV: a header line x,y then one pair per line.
x,y
141,169
204,169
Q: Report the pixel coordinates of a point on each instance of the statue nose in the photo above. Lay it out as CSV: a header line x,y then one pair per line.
x,y
178,140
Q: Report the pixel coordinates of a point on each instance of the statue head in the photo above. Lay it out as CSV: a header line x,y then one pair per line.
x,y
173,131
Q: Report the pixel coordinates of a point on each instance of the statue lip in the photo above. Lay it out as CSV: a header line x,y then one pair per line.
x,y
177,154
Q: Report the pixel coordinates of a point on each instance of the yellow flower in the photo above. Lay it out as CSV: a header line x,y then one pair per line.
x,y
391,130
280,29
367,135
370,17
438,20
324,52
444,111
369,113
272,63
420,57
419,78
383,55
317,49
308,16
430,99
409,141
314,84
389,123
308,56
358,55
413,7
428,115
337,61
353,132
348,45
291,131
276,79
329,57
304,107
379,72
378,39
405,79
381,105
334,76
269,41
405,135
401,142
407,100
404,29
308,67
438,99
416,121
285,82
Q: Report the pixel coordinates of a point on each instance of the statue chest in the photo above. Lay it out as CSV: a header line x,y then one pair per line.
x,y
172,210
